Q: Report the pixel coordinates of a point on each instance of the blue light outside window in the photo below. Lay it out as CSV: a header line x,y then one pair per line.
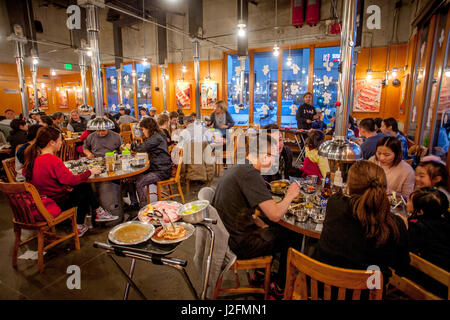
x,y
239,116
127,87
112,89
144,90
295,85
265,92
326,76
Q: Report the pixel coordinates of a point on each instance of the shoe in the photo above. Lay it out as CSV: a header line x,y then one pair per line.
x,y
82,229
257,280
275,292
102,215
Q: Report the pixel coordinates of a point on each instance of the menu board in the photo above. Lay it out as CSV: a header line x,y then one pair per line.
x,y
183,94
208,95
367,96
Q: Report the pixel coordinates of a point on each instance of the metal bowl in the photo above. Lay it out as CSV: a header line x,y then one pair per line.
x,y
318,218
200,210
112,233
279,186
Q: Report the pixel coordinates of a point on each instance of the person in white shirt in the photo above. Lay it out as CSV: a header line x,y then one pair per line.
x,y
194,132
9,116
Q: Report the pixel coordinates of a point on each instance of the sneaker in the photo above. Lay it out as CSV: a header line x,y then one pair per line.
x,y
82,229
102,215
275,292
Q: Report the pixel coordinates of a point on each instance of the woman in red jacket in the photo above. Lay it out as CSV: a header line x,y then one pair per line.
x,y
51,178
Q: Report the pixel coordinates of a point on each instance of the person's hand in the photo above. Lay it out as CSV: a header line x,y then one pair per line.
x,y
96,170
293,191
223,126
308,121
90,156
70,189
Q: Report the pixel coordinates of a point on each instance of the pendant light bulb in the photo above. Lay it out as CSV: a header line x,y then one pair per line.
x,y
289,61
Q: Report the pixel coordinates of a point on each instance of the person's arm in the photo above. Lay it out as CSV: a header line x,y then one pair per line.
x,y
212,119
86,148
408,185
275,211
230,121
64,176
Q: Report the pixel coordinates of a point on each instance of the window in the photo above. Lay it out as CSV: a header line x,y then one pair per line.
x,y
325,82
111,89
127,87
240,116
295,85
265,90
143,86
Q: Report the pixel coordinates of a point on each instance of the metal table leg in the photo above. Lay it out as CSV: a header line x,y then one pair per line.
x,y
302,250
208,261
129,280
130,274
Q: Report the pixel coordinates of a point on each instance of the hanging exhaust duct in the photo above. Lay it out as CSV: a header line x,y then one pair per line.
x,y
339,151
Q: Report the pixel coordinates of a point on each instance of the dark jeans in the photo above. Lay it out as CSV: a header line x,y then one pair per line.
x,y
140,185
81,197
268,241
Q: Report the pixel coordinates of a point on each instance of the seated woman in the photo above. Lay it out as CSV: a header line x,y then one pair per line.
x,y
155,145
432,174
164,126
18,134
399,174
429,234
313,163
20,154
221,119
359,230
51,178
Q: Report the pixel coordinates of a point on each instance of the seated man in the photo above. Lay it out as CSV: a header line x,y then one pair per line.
x,y
127,118
368,131
9,116
152,113
285,168
101,142
76,123
240,191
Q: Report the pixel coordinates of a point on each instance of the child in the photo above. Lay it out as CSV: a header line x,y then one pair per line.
x,y
429,226
431,173
314,164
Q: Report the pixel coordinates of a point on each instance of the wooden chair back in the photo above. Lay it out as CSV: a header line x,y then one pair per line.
x,y
414,290
127,137
125,127
10,168
304,285
68,150
18,196
133,135
178,157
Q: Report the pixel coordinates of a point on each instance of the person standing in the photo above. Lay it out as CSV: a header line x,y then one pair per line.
x,y
221,119
306,113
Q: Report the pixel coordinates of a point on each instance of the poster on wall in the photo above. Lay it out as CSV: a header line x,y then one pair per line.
x,y
42,96
183,94
78,97
208,95
63,99
367,96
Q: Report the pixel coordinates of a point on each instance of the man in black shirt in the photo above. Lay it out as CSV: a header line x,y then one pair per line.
x,y
306,113
240,191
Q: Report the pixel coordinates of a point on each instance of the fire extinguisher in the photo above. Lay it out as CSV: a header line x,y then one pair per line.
x,y
312,12
298,13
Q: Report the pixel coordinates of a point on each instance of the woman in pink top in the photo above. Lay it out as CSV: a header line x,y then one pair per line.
x,y
399,174
51,178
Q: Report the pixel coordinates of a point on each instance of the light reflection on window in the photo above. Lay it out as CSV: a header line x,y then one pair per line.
x,y
239,115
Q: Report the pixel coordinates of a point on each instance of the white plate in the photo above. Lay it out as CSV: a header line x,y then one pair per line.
x,y
112,237
189,232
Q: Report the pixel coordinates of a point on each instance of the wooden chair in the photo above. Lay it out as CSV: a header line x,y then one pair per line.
x,y
16,193
127,137
125,127
256,263
133,136
414,290
231,154
68,150
297,285
10,168
162,192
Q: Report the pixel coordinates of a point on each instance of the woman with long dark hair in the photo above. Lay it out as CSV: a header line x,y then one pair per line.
x,y
359,230
399,174
51,178
155,145
18,134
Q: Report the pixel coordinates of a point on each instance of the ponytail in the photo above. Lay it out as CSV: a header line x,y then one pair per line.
x,y
31,153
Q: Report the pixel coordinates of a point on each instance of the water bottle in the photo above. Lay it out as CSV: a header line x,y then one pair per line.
x,y
126,160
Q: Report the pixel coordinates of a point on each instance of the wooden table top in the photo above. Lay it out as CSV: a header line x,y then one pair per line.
x,y
308,228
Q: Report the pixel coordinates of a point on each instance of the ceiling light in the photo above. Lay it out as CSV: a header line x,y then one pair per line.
x,y
35,60
241,28
53,73
133,73
394,72
276,50
89,52
144,62
369,74
57,88
74,88
447,72
183,69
